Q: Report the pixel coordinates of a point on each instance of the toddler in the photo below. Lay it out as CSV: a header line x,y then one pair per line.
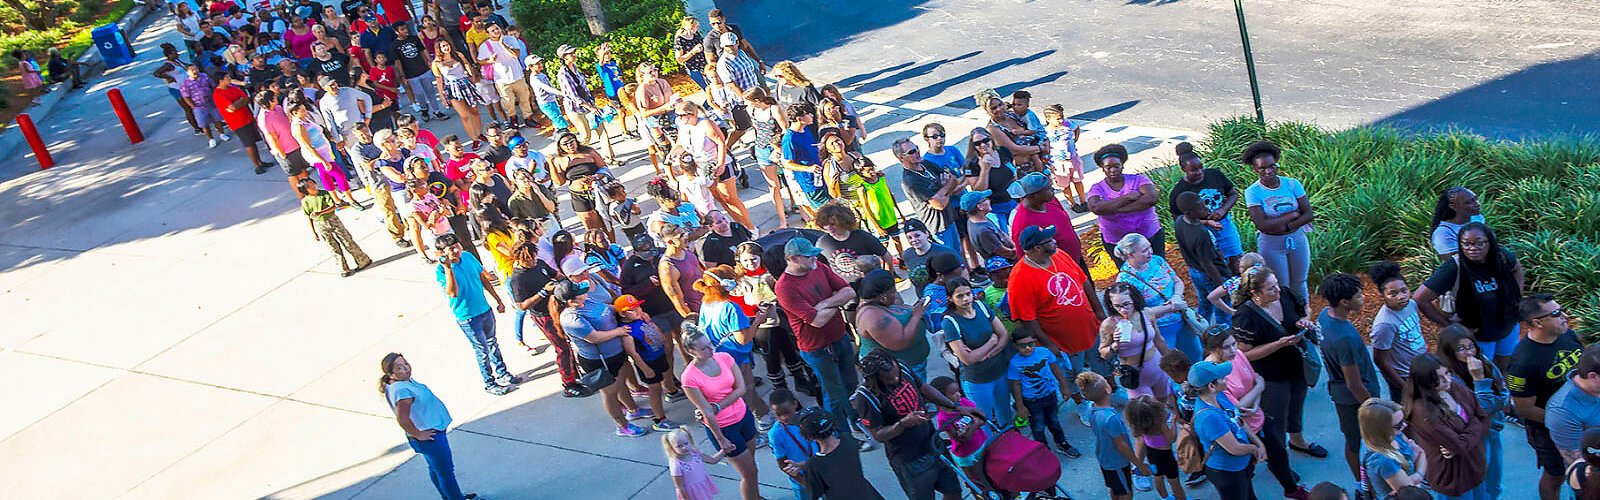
x,y
1152,424
1064,160
966,436
625,211
688,468
1112,448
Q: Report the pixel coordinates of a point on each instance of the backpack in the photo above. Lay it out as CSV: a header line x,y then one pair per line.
x,y
1191,453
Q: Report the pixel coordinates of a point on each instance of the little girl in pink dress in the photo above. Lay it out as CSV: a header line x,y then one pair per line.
x,y
688,467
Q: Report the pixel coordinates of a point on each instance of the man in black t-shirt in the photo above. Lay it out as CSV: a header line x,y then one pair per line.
x,y
713,40
834,471
640,278
717,247
1539,367
413,58
845,242
934,193
890,403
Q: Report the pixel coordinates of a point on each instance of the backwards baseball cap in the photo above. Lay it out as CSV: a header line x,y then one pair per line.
x,y
914,225
565,49
574,267
626,303
943,263
643,242
729,39
568,290
1034,236
876,283
1033,183
1206,372
971,199
800,246
997,263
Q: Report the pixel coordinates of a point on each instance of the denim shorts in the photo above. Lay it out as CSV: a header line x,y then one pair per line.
x,y
739,434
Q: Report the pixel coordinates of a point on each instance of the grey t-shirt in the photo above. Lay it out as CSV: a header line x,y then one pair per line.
x,y
1569,413
1400,333
988,239
1341,346
913,260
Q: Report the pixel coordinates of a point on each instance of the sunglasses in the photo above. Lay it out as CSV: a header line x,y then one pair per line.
x,y
1555,313
982,141
934,136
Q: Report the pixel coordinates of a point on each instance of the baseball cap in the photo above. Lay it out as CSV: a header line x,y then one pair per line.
x,y
564,49
729,39
943,263
876,283
568,290
574,267
625,303
532,60
914,225
1034,236
1206,372
800,246
997,263
1033,183
325,80
643,242
515,141
970,199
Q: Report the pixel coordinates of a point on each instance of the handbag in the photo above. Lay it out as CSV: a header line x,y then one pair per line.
x,y
1128,375
601,378
1447,300
1197,325
1310,358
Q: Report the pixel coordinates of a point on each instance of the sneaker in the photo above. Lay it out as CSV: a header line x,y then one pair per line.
x,y
764,423
1142,483
226,138
1194,479
868,445
212,142
1083,414
417,108
575,391
439,115
631,430
663,425
641,413
512,380
402,243
1066,448
760,442
499,390
673,397
1298,493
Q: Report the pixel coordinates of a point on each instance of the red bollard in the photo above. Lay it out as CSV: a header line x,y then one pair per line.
x,y
128,124
31,133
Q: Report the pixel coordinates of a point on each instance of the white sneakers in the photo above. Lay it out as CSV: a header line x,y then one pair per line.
x,y
213,142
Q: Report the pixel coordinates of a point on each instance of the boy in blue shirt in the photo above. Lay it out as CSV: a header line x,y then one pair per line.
x,y
1113,448
1038,378
647,342
788,446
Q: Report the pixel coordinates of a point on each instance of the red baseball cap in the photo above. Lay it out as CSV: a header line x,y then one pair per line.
x,y
626,302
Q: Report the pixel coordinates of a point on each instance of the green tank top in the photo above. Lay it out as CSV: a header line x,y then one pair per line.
x,y
915,354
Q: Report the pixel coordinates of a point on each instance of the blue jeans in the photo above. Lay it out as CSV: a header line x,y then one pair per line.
x,y
951,238
1491,481
1228,243
1044,415
441,466
518,315
1502,347
480,333
1176,332
1478,493
835,366
993,398
1207,310
1289,257
698,77
1002,213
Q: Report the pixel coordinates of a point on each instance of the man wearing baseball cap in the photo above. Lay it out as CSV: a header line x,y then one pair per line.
x,y
465,282
651,346
813,298
1041,208
1053,297
987,237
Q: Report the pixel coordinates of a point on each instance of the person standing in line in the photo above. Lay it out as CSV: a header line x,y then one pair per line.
x,y
1485,281
1539,367
1159,283
834,469
689,51
234,105
532,283
1459,353
504,54
1352,377
717,391
919,250
1575,408
1446,420
1040,207
198,90
425,420
884,322
278,129
1038,380
326,226
1126,204
1396,329
368,154
1200,250
892,403
1050,299
1456,207
577,98
457,82
934,193
1391,459
413,57
803,159
946,157
465,282
814,298
1113,449
1282,214
588,319
1231,451
1274,333
1217,196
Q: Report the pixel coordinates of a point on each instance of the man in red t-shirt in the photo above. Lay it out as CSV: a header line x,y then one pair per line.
x,y
1040,207
396,11
813,298
1052,295
234,104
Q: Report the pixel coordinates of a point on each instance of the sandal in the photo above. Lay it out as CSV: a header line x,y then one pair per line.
x,y
1313,449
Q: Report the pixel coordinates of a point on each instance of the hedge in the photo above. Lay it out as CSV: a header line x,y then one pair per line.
x,y
642,31
71,35
1374,190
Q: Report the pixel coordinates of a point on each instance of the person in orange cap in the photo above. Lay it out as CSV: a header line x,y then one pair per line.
x,y
651,346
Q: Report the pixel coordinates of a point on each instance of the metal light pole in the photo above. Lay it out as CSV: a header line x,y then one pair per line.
x,y
1249,61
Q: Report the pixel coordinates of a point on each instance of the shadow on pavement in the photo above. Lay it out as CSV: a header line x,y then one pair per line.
x,y
799,30
1102,113
1547,99
909,73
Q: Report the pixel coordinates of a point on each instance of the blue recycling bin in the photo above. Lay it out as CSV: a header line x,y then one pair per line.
x,y
114,48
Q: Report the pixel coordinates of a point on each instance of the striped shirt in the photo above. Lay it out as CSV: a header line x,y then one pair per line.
x,y
738,70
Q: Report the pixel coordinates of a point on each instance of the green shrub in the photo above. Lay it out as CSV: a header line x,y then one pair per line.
x,y
69,34
1374,190
641,32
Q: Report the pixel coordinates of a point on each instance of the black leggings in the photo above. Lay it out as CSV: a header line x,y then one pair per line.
x,y
782,354
1278,456
1233,485
1284,403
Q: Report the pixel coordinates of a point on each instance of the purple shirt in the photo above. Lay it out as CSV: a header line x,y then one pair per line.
x,y
1114,226
198,91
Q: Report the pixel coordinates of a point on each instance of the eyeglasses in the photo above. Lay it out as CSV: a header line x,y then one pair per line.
x,y
1555,313
1466,347
1123,305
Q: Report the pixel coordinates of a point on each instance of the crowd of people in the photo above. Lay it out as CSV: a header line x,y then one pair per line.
x,y
646,309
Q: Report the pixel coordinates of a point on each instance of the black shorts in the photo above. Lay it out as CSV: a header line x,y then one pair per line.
x,y
294,164
1119,480
1349,425
727,173
612,364
741,117
922,477
1544,449
582,201
248,134
1164,462
660,365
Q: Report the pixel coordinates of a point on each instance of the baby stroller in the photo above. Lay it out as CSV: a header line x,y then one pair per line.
x,y
1010,466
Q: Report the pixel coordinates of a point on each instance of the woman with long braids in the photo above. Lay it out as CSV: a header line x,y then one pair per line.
x,y
1459,353
1271,326
1244,387
1446,420
424,419
1485,281
1456,207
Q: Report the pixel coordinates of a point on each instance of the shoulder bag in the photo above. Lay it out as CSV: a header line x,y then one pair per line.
x,y
1197,325
1128,375
1447,300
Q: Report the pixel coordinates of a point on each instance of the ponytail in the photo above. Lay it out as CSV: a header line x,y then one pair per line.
x,y
388,366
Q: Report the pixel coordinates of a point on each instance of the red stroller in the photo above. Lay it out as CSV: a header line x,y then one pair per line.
x,y
1011,466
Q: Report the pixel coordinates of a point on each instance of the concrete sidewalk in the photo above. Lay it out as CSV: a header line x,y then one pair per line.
x,y
176,333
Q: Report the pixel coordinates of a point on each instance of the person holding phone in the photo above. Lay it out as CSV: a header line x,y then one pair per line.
x,y
887,323
891,403
1271,324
